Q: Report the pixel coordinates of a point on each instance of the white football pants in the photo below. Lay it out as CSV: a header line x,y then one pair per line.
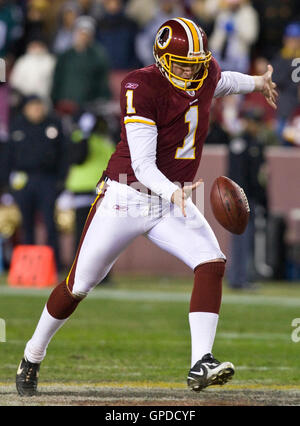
x,y
123,214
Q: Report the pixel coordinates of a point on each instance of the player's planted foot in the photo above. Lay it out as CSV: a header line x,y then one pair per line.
x,y
27,378
209,371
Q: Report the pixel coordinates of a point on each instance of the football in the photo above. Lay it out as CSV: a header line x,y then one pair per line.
x,y
229,205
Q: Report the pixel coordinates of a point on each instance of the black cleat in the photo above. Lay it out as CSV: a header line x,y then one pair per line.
x,y
209,371
27,378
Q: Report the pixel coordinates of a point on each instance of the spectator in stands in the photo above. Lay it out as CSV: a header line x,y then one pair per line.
x,y
37,166
64,34
92,8
201,13
259,67
3,177
117,33
35,22
4,124
4,112
216,135
81,73
89,153
291,130
167,9
284,70
235,31
274,16
142,11
32,72
245,167
11,25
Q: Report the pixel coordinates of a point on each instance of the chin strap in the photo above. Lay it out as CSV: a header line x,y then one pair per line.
x,y
181,83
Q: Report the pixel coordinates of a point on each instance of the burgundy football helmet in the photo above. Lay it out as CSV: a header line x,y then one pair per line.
x,y
182,41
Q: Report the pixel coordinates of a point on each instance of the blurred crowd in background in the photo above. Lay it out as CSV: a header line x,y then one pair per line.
x,y
59,107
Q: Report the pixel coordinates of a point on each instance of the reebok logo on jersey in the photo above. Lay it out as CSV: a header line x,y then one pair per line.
x,y
131,85
120,207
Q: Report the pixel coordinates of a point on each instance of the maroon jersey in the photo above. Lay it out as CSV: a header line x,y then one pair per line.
x,y
181,118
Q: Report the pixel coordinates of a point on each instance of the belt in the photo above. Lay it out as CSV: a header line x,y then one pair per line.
x,y
141,188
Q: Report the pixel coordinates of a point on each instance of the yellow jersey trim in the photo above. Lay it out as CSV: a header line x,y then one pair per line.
x,y
138,120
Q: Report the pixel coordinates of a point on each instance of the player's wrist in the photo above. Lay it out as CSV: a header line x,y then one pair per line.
x,y
259,83
175,194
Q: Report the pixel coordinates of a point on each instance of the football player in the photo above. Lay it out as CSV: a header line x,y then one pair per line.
x,y
146,190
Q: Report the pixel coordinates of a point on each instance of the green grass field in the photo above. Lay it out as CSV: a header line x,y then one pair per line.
x,y
137,332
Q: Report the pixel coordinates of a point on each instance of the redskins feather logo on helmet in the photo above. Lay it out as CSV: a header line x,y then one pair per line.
x,y
181,41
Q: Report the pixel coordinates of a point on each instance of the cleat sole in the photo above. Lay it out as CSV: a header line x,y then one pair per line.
x,y
220,379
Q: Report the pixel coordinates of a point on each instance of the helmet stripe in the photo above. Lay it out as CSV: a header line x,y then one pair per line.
x,y
195,34
188,33
200,38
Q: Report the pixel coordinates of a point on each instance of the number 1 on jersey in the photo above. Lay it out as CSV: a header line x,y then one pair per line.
x,y
130,107
188,151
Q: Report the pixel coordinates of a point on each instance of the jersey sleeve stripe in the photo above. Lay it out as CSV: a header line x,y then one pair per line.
x,y
137,119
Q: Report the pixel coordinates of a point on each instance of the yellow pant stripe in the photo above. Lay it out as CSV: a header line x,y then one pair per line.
x,y
96,199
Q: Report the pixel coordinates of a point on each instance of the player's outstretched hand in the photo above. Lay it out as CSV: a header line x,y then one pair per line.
x,y
180,196
265,85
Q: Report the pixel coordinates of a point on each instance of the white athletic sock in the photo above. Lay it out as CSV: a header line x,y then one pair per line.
x,y
35,350
203,326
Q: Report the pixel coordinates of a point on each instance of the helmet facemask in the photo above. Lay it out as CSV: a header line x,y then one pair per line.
x,y
200,61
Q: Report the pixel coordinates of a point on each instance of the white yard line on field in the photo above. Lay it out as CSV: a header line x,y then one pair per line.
x,y
152,385
159,296
129,369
